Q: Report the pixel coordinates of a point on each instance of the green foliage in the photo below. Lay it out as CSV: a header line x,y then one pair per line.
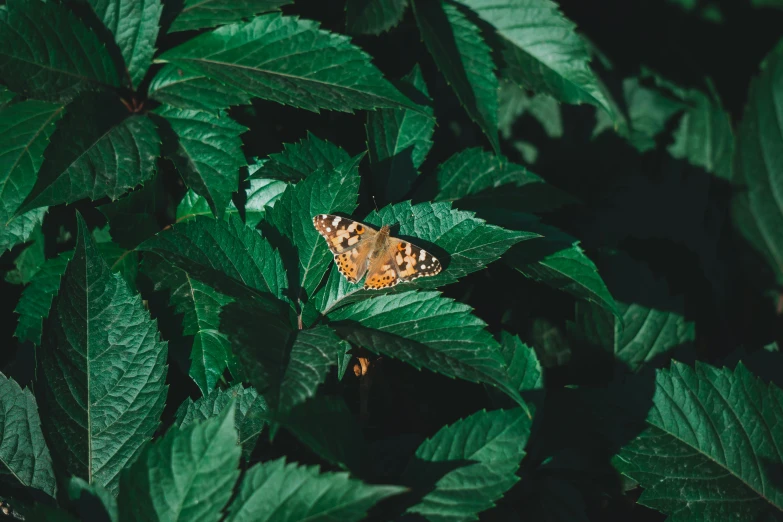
x,y
278,491
600,344
715,465
23,452
104,369
243,56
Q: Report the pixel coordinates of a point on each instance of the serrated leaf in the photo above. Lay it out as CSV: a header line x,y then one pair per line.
x,y
298,160
758,165
281,58
326,426
95,153
92,502
324,192
249,418
373,16
524,369
542,50
398,140
21,228
472,171
208,153
132,218
211,250
343,358
48,53
24,456
652,323
187,475
426,330
288,492
200,306
29,260
711,449
553,258
465,61
135,27
463,243
184,89
287,367
485,450
122,261
25,128
36,300
198,14
103,369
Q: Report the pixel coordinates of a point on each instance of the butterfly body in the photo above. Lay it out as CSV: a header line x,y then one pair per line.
x,y
360,249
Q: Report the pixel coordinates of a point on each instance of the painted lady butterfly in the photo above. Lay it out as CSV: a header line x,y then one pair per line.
x,y
359,249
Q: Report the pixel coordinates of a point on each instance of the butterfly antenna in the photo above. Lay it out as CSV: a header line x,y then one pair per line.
x,y
376,204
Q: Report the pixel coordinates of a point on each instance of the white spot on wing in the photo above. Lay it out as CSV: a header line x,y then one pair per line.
x,y
335,221
422,255
328,229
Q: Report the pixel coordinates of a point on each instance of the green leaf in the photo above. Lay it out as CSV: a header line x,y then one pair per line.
x,y
542,50
426,330
464,60
398,140
20,228
48,53
711,449
122,261
373,16
92,501
288,492
184,89
211,249
287,371
29,260
326,425
514,102
6,96
249,417
524,369
704,137
135,27
649,110
103,369
200,306
262,194
36,300
324,192
24,456
94,154
651,324
198,14
469,245
553,258
299,160
25,128
485,450
473,170
132,218
280,58
208,153
759,166
187,475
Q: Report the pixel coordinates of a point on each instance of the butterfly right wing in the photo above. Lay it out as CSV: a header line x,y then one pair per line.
x,y
349,241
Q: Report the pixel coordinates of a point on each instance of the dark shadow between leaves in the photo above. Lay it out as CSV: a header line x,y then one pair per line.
x,y
393,177
290,257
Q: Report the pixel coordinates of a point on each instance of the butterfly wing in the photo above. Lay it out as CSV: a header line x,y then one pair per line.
x,y
349,241
402,262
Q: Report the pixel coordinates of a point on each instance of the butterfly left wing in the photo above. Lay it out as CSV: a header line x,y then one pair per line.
x,y
402,262
349,241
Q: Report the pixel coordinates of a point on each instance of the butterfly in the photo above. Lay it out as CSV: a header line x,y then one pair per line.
x,y
360,249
